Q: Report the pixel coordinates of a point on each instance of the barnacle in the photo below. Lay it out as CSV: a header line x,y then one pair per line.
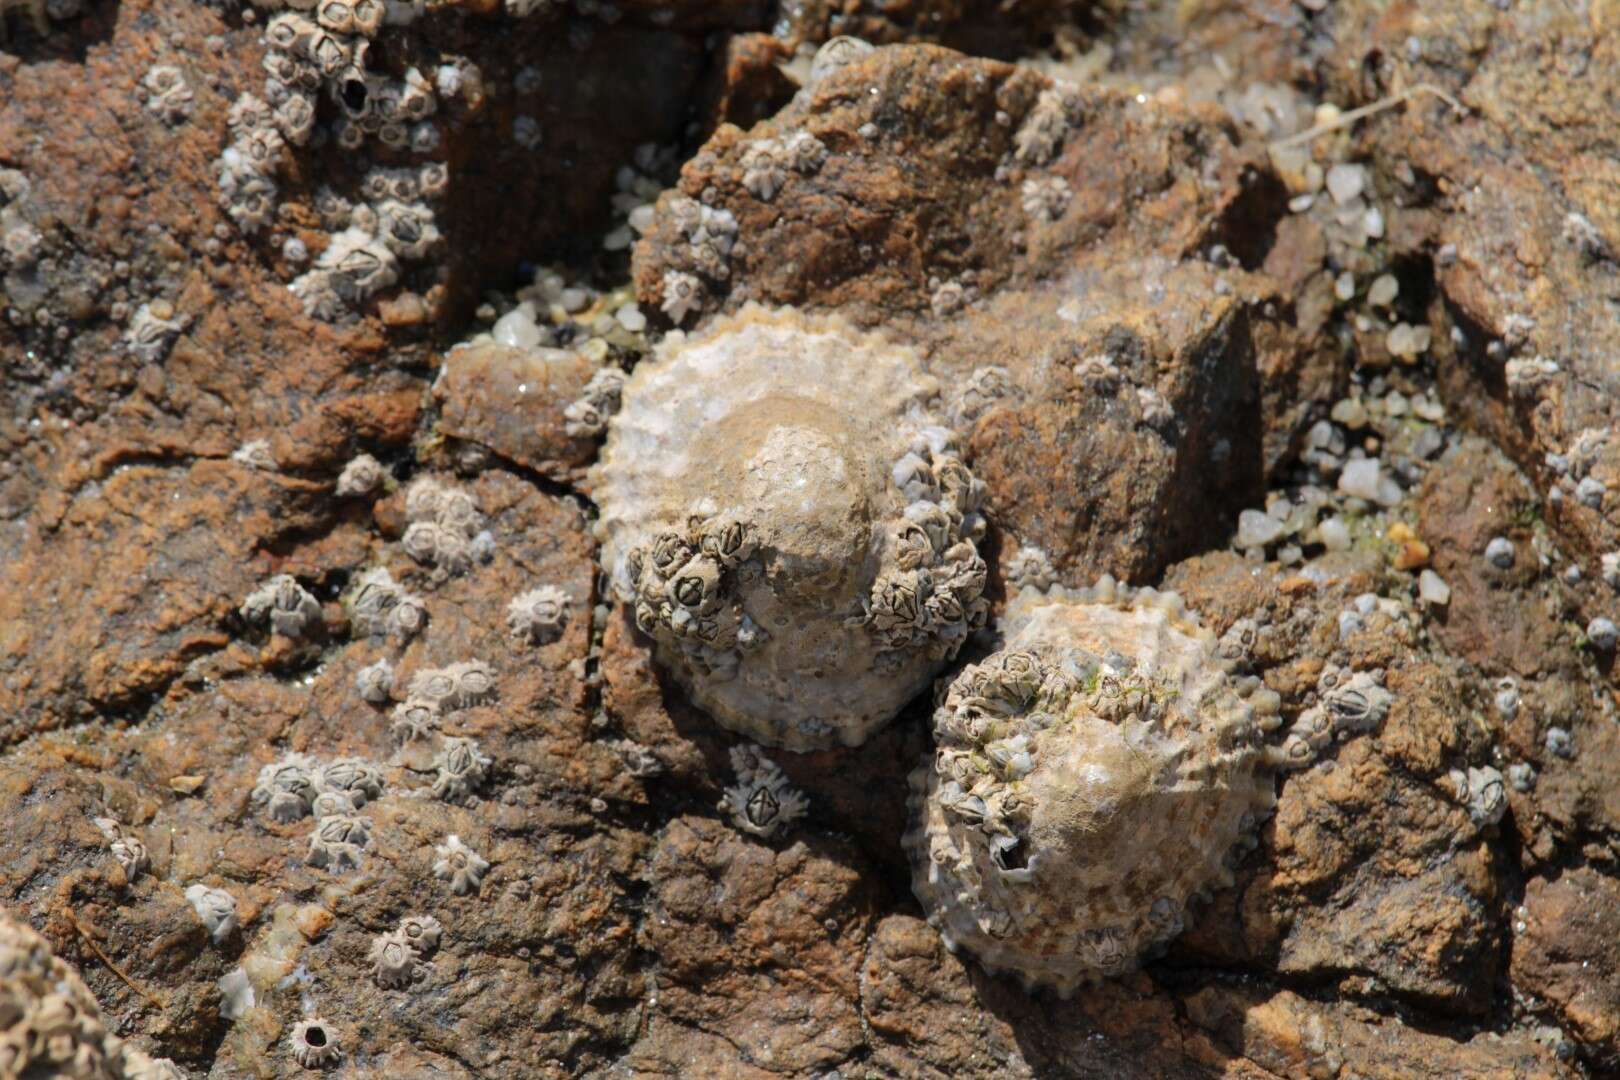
x,y
588,417
394,962
152,328
125,846
415,718
284,604
337,841
1481,790
1045,126
764,169
363,475
422,932
1045,198
539,615
836,53
459,864
375,682
1029,568
1090,780
472,683
169,95
314,1044
784,514
761,802
683,294
435,686
360,780
286,787
216,908
295,116
462,767
639,761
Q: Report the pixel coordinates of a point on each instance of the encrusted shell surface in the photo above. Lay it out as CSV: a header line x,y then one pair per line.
x,y
1090,780
784,513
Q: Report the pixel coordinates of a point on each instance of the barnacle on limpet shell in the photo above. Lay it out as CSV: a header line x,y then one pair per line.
x,y
784,513
1089,781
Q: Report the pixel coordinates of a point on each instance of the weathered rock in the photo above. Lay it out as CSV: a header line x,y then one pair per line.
x,y
1565,954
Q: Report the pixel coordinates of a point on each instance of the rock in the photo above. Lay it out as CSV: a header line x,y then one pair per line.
x,y
1566,954
512,401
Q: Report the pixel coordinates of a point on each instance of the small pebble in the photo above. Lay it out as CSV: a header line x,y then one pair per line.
x,y
1384,290
1346,182
1499,552
1432,590
1602,633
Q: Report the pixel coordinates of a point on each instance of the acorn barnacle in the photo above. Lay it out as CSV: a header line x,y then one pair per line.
x,y
785,514
1089,781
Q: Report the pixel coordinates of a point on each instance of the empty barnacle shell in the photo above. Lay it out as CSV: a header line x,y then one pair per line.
x,y
216,908
314,1044
784,513
1091,778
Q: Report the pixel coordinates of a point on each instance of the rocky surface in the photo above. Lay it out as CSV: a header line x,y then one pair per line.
x,y
1348,387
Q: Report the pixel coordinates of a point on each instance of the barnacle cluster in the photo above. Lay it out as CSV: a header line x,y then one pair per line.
x,y
379,606
768,162
784,513
708,236
446,531
761,802
1090,780
398,957
434,692
588,417
50,1024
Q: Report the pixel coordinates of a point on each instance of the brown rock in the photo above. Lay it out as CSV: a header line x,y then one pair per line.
x,y
511,400
1568,956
